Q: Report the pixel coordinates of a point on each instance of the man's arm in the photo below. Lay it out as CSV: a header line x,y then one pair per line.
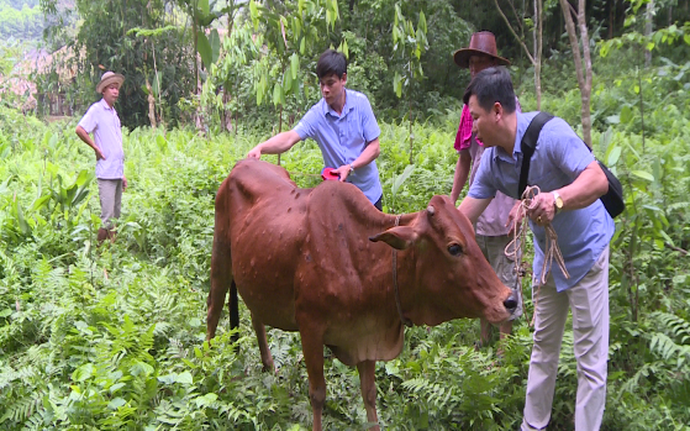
x,y
84,136
462,171
473,208
370,153
589,186
278,144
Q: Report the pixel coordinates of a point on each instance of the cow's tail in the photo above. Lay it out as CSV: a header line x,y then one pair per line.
x,y
221,270
233,309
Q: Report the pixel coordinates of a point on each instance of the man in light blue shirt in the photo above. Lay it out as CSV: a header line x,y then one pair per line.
x,y
102,120
343,125
571,183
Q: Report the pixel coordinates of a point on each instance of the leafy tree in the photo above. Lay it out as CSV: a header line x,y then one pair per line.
x,y
105,43
410,44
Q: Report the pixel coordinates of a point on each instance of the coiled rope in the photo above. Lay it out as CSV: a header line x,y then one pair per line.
x,y
514,248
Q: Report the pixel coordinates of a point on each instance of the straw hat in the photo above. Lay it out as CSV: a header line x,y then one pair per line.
x,y
483,42
109,78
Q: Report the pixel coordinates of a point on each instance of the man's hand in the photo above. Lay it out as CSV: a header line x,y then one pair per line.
x,y
343,172
543,209
99,153
255,152
124,183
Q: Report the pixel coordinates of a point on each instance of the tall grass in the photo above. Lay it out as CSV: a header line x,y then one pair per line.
x,y
112,337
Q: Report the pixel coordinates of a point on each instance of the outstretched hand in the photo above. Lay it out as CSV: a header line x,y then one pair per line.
x,y
254,153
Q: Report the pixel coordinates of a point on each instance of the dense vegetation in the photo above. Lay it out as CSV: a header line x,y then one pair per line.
x,y
21,20
112,337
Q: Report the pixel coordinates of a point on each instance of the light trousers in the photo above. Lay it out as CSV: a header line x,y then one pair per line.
x,y
589,302
110,194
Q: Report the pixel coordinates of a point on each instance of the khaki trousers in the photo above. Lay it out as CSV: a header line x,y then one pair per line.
x,y
589,302
110,194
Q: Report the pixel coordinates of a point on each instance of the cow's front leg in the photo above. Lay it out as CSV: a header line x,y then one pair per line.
x,y
266,357
367,379
312,347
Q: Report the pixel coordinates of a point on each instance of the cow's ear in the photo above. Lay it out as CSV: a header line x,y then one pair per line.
x,y
399,237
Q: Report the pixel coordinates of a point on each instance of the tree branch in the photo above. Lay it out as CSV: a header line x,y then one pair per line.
x,y
522,44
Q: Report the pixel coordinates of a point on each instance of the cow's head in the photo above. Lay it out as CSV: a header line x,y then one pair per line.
x,y
450,277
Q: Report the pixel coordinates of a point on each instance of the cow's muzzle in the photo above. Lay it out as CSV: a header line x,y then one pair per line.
x,y
511,302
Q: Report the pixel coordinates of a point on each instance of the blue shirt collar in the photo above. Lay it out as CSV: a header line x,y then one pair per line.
x,y
346,108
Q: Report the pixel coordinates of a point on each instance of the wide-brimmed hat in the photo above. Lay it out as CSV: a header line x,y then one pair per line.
x,y
483,42
109,78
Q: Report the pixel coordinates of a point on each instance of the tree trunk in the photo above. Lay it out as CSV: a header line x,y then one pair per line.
x,y
648,27
536,54
538,48
584,74
152,104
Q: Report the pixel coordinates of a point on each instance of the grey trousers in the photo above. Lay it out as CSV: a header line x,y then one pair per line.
x,y
589,302
110,194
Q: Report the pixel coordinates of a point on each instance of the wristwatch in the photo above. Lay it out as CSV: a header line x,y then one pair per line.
x,y
557,201
351,168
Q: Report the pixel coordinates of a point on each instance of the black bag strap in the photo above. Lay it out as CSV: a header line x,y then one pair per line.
x,y
527,146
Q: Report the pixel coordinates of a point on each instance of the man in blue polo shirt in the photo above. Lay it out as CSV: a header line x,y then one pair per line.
x,y
571,183
343,125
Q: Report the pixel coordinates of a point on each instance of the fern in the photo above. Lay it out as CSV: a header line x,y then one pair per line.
x,y
666,345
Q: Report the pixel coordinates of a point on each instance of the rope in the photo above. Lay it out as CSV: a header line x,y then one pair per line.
x,y
514,248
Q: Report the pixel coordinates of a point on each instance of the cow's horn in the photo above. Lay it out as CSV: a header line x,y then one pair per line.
x,y
430,210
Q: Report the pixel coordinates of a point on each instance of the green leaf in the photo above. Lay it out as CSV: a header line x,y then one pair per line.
x,y
84,177
400,179
203,7
626,114
278,94
397,85
206,400
185,378
421,25
116,403
644,175
141,368
294,65
83,372
214,41
23,226
40,202
614,155
205,51
157,84
117,386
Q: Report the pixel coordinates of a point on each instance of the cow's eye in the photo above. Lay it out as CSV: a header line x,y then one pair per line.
x,y
455,250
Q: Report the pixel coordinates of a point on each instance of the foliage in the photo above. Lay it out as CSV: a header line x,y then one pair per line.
x,y
106,42
113,337
21,21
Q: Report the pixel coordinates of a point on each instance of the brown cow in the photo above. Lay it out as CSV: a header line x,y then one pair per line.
x,y
319,261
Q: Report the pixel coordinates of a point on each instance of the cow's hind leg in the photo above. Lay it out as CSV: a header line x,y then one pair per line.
x,y
367,378
266,357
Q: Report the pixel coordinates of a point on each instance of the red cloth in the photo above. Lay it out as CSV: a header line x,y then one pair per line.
x,y
462,139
